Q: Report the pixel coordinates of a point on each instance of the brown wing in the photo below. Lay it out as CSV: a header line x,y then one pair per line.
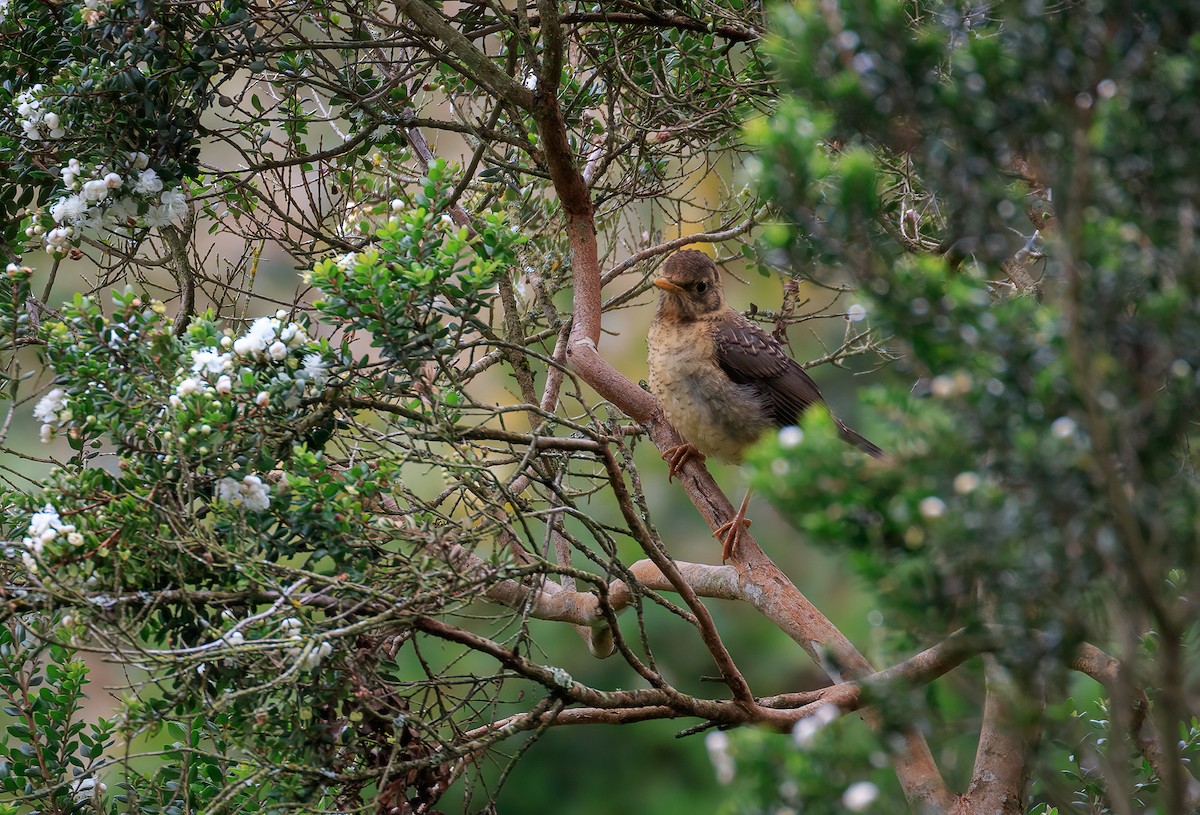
x,y
752,357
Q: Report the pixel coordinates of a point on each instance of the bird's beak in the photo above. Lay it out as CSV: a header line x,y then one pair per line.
x,y
667,285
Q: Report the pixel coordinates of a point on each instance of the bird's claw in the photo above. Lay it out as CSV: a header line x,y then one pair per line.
x,y
731,531
678,455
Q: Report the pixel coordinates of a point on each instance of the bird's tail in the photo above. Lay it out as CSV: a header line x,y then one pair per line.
x,y
860,441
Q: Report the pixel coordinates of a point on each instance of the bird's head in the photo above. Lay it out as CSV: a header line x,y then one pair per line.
x,y
691,286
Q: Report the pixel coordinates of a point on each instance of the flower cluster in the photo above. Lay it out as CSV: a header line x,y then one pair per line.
x,y
99,197
268,337
45,527
249,493
307,655
53,411
270,341
36,119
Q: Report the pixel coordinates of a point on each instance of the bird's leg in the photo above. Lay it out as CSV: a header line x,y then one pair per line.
x,y
678,455
729,532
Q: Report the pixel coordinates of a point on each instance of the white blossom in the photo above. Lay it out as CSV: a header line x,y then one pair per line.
x,y
157,215
176,204
1063,427
790,436
113,181
44,527
967,482
139,160
188,386
278,351
224,384
312,657
293,334
211,361
148,183
50,406
314,368
932,507
717,745
856,313
94,190
805,730
121,212
262,399
859,795
250,493
68,210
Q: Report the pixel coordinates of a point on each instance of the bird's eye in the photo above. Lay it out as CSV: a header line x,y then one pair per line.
x,y
701,287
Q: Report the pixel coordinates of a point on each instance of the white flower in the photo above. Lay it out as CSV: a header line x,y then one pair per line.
x,y
250,493
932,507
255,494
68,210
717,745
157,215
113,181
278,351
262,399
94,190
261,335
148,183
347,261
289,625
313,657
263,331
1063,427
856,313
967,482
211,361
790,436
224,384
121,212
51,405
176,204
188,386
314,368
175,402
293,334
859,795
942,386
228,490
139,161
46,521
805,730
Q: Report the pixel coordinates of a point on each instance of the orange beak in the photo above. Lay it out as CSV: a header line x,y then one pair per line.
x,y
667,285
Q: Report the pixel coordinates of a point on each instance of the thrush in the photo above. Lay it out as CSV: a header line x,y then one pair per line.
x,y
721,380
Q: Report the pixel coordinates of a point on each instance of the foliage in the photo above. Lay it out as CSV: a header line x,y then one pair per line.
x,y
1044,475
332,531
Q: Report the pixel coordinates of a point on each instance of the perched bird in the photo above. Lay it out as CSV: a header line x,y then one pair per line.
x,y
720,379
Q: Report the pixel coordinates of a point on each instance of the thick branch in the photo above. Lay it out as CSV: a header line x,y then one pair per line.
x,y
481,66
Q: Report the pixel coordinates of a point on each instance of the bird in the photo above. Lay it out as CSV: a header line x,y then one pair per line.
x,y
720,380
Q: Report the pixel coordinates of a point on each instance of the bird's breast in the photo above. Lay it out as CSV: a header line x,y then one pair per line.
x,y
718,416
